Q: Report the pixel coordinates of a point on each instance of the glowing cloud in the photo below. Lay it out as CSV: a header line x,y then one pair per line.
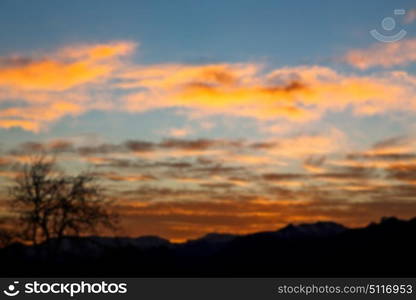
x,y
50,86
77,79
63,69
298,94
410,16
384,55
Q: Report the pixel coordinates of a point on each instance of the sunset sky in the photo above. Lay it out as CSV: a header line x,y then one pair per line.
x,y
216,116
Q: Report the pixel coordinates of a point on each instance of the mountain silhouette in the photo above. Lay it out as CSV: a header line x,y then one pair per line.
x,y
319,249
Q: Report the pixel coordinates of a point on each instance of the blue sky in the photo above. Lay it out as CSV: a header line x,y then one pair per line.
x,y
190,31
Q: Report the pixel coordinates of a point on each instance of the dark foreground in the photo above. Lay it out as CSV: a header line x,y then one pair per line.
x,y
323,249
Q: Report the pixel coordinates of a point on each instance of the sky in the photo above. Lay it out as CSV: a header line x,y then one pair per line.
x,y
216,116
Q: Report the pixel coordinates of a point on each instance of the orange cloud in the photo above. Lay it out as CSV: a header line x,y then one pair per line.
x,y
410,16
126,177
33,117
64,69
99,52
306,145
297,94
76,79
383,54
53,85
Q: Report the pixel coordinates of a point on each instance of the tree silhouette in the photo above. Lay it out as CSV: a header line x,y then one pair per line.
x,y
51,205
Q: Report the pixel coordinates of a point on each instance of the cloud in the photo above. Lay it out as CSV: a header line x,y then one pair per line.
x,y
386,55
410,16
63,69
305,145
139,146
212,88
393,146
297,94
47,87
114,176
198,144
283,176
381,156
391,142
188,196
24,124
179,132
251,159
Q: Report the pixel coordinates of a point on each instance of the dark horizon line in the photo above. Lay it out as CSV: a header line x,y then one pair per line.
x,y
382,219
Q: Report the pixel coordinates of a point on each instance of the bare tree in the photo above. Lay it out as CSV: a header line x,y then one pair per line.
x,y
52,205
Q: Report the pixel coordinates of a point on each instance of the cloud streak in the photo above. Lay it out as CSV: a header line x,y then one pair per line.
x,y
385,55
298,94
47,87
